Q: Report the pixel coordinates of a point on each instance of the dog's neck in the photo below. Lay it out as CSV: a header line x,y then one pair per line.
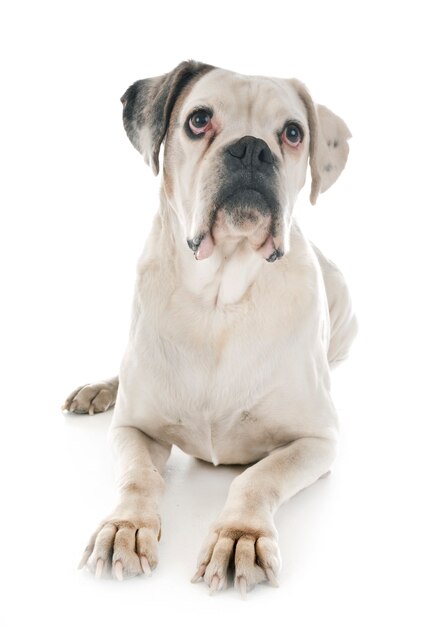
x,y
220,280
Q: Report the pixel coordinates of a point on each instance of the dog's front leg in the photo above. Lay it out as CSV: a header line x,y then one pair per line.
x,y
244,536
126,542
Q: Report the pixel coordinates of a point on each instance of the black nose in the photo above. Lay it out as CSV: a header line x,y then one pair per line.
x,y
250,152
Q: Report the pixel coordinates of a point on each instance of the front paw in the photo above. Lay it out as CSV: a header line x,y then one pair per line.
x,y
123,546
242,547
95,398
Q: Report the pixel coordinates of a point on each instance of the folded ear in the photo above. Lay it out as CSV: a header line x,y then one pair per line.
x,y
148,104
329,148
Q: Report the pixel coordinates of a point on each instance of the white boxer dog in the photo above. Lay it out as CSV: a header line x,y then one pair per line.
x,y
237,318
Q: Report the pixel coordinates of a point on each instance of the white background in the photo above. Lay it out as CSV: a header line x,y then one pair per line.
x,y
360,547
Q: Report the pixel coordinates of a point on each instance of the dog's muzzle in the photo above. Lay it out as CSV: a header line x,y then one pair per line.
x,y
246,199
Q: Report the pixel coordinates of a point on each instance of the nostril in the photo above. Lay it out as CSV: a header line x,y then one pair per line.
x,y
265,156
238,149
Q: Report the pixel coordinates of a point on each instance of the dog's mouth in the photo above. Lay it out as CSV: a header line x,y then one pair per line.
x,y
245,213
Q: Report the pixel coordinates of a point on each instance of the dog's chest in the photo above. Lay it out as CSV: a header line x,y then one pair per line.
x,y
218,380
220,371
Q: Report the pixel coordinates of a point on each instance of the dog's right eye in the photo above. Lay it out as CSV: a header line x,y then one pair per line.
x,y
199,122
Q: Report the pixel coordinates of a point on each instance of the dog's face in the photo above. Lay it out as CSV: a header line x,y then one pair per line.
x,y
236,151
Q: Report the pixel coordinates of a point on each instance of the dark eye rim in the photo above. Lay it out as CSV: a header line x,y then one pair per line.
x,y
292,123
187,128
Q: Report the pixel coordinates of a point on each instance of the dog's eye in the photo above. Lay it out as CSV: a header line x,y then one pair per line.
x,y
292,135
200,121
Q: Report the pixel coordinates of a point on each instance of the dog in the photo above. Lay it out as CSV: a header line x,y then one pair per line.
x,y
237,318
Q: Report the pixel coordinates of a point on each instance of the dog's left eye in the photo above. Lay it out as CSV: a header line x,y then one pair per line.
x,y
292,135
200,121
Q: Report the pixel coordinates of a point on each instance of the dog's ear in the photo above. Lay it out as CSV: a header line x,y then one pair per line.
x,y
329,148
148,104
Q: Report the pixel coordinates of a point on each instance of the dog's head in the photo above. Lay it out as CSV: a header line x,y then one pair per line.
x,y
236,151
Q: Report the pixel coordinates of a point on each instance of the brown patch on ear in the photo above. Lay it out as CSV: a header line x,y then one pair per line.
x,y
148,106
167,96
314,138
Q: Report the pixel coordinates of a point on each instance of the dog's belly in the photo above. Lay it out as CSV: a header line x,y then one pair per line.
x,y
239,438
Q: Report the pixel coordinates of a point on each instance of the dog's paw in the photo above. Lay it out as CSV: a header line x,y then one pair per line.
x,y
91,399
123,547
246,551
